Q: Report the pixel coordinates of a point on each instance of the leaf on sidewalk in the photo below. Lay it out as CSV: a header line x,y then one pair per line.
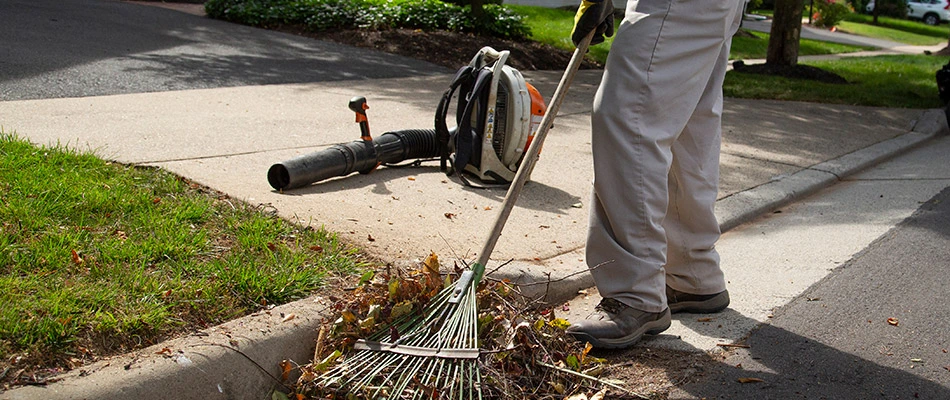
x,y
750,380
893,321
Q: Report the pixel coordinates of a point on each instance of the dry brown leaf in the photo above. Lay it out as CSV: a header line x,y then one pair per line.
x,y
289,317
599,395
449,215
893,321
76,258
285,368
370,238
750,380
707,319
432,266
316,248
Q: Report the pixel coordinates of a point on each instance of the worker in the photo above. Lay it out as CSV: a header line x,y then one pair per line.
x,y
656,131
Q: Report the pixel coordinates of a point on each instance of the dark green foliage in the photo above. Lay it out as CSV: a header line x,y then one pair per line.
x,y
318,15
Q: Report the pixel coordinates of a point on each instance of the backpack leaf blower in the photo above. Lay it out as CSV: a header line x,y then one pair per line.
x,y
497,115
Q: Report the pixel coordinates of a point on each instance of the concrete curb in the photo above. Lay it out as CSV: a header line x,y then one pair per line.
x,y
223,362
745,206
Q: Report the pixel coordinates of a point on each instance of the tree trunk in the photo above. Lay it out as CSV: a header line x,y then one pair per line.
x,y
944,52
875,12
478,11
786,31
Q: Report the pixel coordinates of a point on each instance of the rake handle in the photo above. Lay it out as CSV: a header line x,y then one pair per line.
x,y
531,157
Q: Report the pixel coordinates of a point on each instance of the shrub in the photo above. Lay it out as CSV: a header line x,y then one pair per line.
x,y
318,15
830,13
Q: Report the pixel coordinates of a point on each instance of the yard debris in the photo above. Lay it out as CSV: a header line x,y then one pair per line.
x,y
750,380
76,258
893,321
525,352
734,345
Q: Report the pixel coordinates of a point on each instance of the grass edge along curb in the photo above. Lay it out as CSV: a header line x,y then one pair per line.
x,y
101,258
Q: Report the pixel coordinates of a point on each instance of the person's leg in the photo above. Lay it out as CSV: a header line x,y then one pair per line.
x,y
659,66
691,227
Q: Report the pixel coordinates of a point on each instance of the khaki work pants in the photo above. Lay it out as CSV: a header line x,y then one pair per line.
x,y
656,133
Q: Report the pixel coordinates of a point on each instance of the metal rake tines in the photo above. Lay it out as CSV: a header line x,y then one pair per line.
x,y
434,357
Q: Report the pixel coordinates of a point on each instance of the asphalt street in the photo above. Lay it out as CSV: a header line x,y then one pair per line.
x,y
82,48
876,326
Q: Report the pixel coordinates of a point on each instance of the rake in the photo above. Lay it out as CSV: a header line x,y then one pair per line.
x,y
436,355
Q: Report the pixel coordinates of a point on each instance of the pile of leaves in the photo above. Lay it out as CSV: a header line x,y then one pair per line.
x,y
525,352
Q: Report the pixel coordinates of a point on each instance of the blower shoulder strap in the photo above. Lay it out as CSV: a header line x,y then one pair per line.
x,y
463,77
468,138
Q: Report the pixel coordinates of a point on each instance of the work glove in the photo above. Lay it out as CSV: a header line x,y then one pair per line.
x,y
596,16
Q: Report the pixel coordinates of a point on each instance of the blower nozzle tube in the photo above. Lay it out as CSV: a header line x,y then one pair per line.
x,y
358,156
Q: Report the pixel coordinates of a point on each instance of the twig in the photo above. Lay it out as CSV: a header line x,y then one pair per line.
x,y
499,267
733,345
264,370
321,337
550,281
595,379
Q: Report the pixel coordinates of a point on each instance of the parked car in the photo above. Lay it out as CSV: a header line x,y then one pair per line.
x,y
931,12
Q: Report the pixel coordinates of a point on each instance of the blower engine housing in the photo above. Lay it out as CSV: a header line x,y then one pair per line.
x,y
514,113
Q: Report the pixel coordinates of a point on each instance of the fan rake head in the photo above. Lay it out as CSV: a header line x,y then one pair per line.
x,y
430,355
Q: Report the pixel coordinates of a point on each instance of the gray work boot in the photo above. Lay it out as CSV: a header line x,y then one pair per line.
x,y
696,303
614,325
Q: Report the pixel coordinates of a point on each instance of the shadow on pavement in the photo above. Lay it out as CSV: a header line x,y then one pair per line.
x,y
89,47
778,364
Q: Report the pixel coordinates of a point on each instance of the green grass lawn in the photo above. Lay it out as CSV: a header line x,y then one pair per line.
x,y
553,26
746,48
898,30
885,81
94,252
